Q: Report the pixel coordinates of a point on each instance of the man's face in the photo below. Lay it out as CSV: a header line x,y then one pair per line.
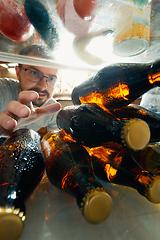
x,y
42,88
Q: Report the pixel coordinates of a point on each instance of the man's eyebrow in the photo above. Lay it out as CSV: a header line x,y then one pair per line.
x,y
33,68
54,75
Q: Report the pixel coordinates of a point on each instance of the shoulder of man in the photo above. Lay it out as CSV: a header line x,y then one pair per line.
x,y
9,89
8,81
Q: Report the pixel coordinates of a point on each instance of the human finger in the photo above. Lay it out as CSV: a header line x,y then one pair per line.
x,y
6,122
38,113
50,109
17,110
26,97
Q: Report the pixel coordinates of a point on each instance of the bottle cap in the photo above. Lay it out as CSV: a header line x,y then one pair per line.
x,y
11,223
96,206
136,134
154,191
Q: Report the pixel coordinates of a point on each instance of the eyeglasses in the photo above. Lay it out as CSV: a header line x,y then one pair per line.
x,y
35,76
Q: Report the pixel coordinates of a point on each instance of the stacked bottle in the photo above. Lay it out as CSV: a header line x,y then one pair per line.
x,y
103,115
113,163
118,85
68,168
149,157
92,126
110,129
151,118
21,169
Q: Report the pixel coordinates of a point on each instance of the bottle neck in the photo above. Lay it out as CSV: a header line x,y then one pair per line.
x,y
148,186
154,73
82,192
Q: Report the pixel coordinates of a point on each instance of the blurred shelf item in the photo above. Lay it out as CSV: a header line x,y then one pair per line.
x,y
92,49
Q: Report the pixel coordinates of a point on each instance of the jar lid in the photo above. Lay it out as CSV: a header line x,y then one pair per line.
x,y
129,47
136,134
97,206
11,223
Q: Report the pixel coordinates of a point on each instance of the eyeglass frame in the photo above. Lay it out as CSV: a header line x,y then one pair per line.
x,y
42,76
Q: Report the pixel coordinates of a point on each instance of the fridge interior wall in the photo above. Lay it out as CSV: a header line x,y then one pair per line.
x,y
51,214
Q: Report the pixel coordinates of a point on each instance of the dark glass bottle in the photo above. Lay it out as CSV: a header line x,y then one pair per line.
x,y
68,168
149,157
21,169
118,85
113,163
92,126
136,111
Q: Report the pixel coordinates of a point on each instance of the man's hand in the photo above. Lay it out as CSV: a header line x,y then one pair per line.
x,y
22,112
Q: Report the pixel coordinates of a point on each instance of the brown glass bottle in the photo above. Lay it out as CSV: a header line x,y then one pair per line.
x,y
151,118
68,168
149,157
92,126
113,163
21,169
118,85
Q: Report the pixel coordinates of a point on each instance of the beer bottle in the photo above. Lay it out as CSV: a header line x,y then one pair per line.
x,y
21,169
136,111
149,157
68,168
92,126
118,85
113,163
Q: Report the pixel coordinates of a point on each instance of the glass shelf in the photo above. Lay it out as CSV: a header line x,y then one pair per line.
x,y
86,43
52,214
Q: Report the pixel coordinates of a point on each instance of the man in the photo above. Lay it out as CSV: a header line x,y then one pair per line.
x,y
28,102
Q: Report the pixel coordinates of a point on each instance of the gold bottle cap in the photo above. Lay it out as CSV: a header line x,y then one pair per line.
x,y
96,206
154,191
136,134
11,223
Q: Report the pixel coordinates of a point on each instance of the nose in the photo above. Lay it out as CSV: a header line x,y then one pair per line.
x,y
43,83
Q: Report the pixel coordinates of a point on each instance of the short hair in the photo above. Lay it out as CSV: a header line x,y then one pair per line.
x,y
37,51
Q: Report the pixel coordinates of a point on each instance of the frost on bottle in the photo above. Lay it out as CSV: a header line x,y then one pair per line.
x,y
118,85
21,169
92,126
111,162
151,118
68,168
